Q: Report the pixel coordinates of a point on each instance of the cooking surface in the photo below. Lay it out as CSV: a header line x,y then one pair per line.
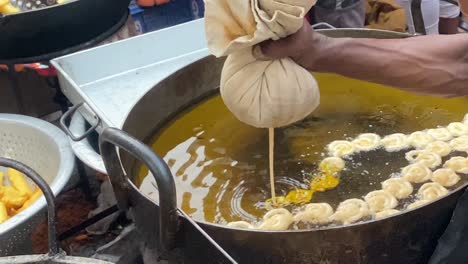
x,y
220,164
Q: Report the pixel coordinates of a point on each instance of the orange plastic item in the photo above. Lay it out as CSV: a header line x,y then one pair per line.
x,y
150,3
145,3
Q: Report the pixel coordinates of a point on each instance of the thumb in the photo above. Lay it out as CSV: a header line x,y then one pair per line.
x,y
273,49
289,46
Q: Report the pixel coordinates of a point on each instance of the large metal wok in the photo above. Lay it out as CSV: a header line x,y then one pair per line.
x,y
407,238
59,29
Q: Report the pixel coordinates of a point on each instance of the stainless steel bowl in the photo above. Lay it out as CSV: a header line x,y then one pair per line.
x,y
55,255
45,148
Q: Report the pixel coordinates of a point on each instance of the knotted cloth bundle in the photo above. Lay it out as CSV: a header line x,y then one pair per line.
x,y
261,93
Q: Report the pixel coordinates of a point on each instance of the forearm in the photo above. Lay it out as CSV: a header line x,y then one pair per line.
x,y
437,65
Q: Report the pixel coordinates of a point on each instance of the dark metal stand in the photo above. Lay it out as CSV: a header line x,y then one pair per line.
x,y
59,97
88,222
84,182
13,77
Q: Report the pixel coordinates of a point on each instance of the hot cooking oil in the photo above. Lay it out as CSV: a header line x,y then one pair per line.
x,y
221,165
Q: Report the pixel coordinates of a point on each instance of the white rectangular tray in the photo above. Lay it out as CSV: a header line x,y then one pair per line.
x,y
112,78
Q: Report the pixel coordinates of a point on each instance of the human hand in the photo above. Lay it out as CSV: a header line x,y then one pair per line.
x,y
303,47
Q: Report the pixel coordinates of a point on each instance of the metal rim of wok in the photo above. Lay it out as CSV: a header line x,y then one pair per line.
x,y
371,33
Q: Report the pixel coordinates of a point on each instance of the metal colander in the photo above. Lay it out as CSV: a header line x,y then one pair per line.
x,y
55,255
45,148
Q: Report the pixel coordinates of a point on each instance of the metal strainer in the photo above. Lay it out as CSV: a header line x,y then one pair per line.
x,y
55,255
45,148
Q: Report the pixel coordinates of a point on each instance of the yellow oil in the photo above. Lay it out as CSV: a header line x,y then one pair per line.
x,y
221,165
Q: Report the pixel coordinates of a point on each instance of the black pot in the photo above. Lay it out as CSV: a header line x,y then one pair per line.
x,y
59,29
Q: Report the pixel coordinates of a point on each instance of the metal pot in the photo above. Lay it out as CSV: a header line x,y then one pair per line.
x,y
55,255
406,238
45,148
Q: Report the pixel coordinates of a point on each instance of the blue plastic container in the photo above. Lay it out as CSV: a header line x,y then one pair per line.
x,y
171,14
137,14
198,8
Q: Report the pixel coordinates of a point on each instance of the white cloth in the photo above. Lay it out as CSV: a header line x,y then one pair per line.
x,y
261,93
432,11
448,10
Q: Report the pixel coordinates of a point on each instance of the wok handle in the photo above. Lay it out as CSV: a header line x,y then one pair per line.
x,y
168,216
65,119
54,249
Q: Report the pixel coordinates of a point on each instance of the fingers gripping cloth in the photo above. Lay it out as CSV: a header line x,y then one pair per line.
x,y
261,93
